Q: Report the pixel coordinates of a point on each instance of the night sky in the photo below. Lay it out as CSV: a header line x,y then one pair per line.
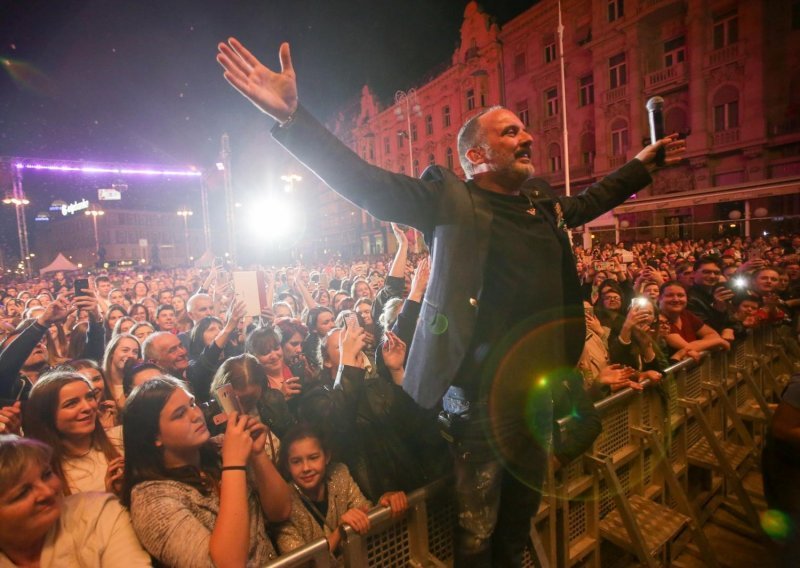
x,y
136,80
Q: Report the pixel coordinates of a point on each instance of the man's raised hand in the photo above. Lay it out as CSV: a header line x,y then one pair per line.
x,y
273,93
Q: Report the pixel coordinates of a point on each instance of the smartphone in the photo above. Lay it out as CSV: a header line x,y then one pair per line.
x,y
227,399
19,391
216,419
81,286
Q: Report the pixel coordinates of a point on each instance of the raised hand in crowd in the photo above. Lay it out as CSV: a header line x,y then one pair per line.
x,y
352,342
400,235
394,355
88,302
419,283
56,311
593,324
114,475
11,418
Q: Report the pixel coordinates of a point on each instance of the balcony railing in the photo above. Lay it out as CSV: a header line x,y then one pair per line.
x,y
723,55
615,162
550,122
658,79
614,95
645,5
729,136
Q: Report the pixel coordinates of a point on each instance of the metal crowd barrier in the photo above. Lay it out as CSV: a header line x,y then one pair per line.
x,y
667,458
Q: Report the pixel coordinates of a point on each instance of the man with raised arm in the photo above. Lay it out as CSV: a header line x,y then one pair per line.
x,y
496,317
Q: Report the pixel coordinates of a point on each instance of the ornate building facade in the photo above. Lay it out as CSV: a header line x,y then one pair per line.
x,y
728,71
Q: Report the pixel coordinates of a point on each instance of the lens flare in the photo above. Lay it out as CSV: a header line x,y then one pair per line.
x,y
27,77
776,524
520,374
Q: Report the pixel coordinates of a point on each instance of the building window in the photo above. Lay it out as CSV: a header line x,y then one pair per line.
x,y
726,108
470,99
554,157
431,159
796,15
400,135
416,168
446,116
551,102
522,112
483,98
413,131
674,51
371,150
520,64
616,9
387,148
587,148
617,71
726,30
586,90
448,157
428,124
550,52
619,137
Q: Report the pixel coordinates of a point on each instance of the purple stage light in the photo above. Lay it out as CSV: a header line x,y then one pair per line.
x,y
102,170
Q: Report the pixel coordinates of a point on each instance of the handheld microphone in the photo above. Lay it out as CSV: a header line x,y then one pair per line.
x,y
655,112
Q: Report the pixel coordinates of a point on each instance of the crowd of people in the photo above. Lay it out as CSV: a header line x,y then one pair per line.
x,y
111,393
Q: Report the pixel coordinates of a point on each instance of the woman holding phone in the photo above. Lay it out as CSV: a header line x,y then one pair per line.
x,y
190,505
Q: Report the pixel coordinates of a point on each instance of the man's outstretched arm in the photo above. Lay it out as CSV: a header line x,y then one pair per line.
x,y
273,93
386,195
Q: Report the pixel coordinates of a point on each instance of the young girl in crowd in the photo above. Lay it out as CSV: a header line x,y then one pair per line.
x,y
62,412
40,527
123,325
250,384
142,331
119,350
325,497
190,505
113,313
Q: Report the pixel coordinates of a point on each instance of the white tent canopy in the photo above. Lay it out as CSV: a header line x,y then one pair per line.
x,y
60,263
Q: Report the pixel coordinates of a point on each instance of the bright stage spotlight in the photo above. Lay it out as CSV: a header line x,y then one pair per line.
x,y
272,219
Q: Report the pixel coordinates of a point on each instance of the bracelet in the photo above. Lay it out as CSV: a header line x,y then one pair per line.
x,y
234,468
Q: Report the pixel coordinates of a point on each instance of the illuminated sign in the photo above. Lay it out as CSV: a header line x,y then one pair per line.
x,y
74,207
42,216
108,194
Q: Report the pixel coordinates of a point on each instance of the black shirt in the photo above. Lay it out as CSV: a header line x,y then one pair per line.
x,y
522,284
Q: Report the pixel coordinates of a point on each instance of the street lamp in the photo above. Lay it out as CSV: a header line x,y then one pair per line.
x,y
186,213
409,99
290,179
19,201
95,213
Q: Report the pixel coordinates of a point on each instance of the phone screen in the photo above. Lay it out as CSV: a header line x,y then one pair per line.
x,y
227,399
81,286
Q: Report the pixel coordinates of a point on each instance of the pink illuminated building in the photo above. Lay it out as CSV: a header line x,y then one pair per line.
x,y
729,72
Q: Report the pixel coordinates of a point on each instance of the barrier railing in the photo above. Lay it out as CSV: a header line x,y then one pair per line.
x,y
667,458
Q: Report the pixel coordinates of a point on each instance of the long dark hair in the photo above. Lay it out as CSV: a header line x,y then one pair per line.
x,y
144,460
39,419
196,344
